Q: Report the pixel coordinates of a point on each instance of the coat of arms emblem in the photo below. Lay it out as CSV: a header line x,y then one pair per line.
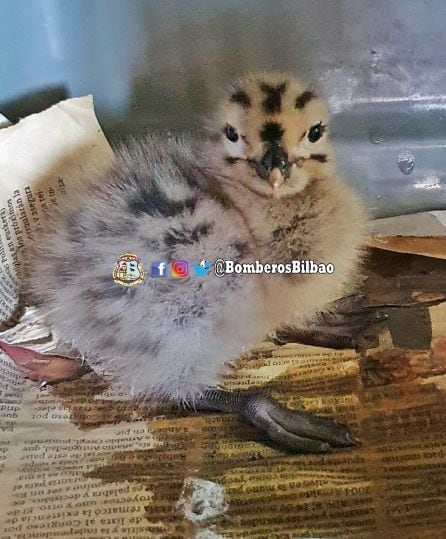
x,y
128,270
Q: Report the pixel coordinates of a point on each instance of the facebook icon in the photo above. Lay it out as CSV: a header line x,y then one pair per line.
x,y
158,269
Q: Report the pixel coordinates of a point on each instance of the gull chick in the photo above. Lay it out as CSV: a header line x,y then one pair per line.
x,y
261,184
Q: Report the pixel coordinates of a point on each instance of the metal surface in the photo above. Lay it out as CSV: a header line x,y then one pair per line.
x,y
159,65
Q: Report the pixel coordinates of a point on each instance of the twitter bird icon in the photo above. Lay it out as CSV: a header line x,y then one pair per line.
x,y
202,268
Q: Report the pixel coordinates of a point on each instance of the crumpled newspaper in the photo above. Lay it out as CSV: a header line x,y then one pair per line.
x,y
40,158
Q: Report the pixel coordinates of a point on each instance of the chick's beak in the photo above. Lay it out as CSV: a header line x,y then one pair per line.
x,y
273,167
276,179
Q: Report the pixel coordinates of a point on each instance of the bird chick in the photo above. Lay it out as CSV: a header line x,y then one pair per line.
x,y
261,185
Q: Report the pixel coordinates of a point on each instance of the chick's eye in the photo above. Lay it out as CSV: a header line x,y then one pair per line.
x,y
231,133
316,132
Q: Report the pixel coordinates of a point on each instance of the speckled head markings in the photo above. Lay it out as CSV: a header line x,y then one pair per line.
x,y
319,157
273,97
271,132
242,98
272,126
303,99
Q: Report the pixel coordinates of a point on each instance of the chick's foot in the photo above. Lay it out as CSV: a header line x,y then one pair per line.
x,y
347,324
293,430
44,369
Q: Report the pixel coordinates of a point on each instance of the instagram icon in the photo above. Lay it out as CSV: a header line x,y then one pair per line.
x,y
179,268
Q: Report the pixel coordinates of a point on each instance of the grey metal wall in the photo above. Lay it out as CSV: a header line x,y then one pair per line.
x,y
159,64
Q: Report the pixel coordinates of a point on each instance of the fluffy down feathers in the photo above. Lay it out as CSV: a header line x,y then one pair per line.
x,y
166,200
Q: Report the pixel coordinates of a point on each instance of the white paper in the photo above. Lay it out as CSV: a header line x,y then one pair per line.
x,y
40,158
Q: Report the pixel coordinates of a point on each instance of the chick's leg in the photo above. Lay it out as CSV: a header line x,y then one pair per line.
x,y
294,430
347,324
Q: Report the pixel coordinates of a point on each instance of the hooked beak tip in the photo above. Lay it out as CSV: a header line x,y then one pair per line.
x,y
275,180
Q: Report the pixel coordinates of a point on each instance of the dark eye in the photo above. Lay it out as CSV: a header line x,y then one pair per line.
x,y
231,133
316,132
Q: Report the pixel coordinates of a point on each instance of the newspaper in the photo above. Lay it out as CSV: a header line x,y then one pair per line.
x,y
82,459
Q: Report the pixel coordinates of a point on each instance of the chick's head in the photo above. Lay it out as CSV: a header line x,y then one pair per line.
x,y
270,134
